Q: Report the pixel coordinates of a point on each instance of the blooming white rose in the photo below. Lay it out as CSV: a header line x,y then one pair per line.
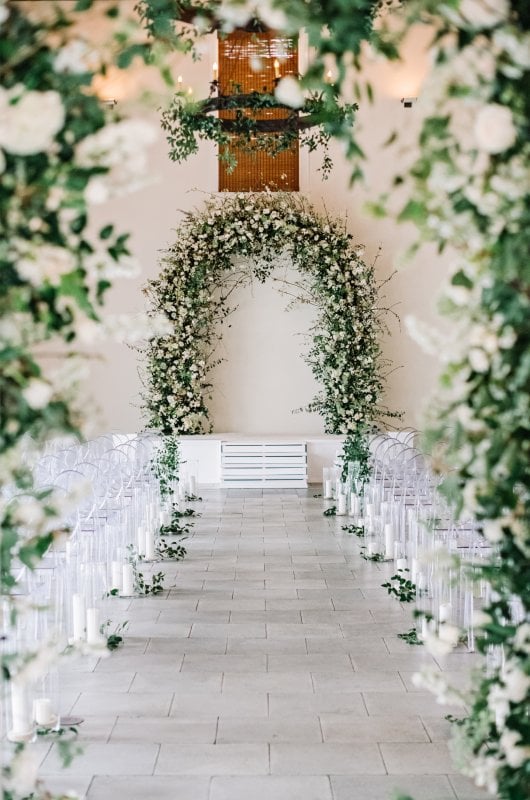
x,y
494,128
37,393
29,121
484,13
289,92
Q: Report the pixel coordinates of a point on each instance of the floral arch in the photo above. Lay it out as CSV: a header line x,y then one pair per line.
x,y
198,275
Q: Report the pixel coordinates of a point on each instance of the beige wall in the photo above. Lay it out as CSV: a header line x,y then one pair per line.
x,y
263,378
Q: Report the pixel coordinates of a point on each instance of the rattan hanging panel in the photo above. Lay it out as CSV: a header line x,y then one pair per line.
x,y
246,64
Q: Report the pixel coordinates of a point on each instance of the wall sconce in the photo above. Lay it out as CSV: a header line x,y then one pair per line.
x,y
408,102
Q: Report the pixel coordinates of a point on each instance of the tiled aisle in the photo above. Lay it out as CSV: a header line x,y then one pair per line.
x,y
271,671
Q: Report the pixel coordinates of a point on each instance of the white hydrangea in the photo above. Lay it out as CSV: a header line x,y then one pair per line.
x,y
75,57
29,120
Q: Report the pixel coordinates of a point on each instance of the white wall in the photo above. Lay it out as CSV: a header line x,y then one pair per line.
x,y
263,377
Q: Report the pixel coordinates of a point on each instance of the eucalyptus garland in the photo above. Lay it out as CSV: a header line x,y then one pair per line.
x,y
198,275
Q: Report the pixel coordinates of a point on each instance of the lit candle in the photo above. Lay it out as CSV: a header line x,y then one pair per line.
x,y
389,541
115,571
445,612
42,711
329,76
341,505
78,613
127,587
179,83
20,711
328,489
93,635
190,90
215,71
276,65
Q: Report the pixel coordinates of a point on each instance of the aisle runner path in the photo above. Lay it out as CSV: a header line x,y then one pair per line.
x,y
271,671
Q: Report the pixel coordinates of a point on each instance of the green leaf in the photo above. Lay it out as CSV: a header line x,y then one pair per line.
x,y
126,56
83,5
106,232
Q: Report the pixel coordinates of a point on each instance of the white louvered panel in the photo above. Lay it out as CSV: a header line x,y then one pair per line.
x,y
272,464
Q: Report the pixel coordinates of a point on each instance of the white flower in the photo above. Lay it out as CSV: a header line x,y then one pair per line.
x,y
29,511
24,768
289,92
45,263
234,15
74,57
478,360
97,191
484,13
516,681
498,704
29,121
494,128
510,744
37,393
493,530
4,12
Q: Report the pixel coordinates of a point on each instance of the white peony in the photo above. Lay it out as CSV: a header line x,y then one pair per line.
x,y
494,128
484,13
37,393
46,263
29,121
289,92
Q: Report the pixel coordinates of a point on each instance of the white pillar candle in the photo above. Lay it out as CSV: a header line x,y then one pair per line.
x,y
115,575
401,564
328,490
389,541
341,505
397,549
354,504
424,628
192,483
149,545
21,723
42,711
369,511
127,586
93,635
414,570
78,614
140,539
445,612
182,488
372,548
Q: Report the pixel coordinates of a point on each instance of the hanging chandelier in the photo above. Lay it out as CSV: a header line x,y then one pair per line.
x,y
248,107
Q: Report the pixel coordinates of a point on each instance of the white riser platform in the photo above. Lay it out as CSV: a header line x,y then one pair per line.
x,y
263,464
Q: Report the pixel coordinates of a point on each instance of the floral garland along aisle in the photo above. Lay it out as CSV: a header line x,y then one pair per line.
x,y
198,276
61,152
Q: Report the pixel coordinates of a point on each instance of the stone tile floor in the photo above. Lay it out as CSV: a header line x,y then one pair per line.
x,y
269,670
